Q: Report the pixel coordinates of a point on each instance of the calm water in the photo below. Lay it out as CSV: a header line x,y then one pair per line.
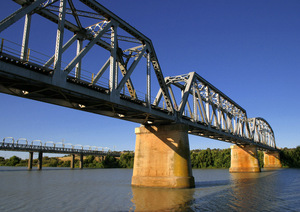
x,y
110,190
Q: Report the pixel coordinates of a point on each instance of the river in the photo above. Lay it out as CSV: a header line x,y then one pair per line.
x,y
61,189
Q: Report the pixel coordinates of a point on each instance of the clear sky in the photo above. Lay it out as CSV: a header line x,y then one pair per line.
x,y
250,50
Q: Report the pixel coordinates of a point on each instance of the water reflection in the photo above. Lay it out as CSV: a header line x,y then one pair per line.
x,y
161,199
110,190
253,190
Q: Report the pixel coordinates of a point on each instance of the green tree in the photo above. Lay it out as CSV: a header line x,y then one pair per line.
x,y
127,160
290,157
260,155
193,159
12,161
226,158
210,158
97,164
53,162
66,163
296,157
2,161
110,162
23,163
88,161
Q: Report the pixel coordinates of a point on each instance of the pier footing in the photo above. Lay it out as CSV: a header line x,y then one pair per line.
x,y
40,161
272,160
30,160
244,159
162,157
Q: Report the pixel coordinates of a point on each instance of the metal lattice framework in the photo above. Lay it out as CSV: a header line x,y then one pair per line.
x,y
202,103
206,110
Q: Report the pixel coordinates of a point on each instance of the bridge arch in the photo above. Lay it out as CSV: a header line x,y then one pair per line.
x,y
88,147
35,141
10,140
262,131
22,139
68,145
74,146
49,142
94,148
60,143
104,149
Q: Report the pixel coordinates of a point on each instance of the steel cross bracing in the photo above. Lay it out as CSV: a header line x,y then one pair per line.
x,y
112,89
219,117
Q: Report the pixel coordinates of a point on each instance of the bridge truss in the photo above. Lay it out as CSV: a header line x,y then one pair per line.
x,y
87,32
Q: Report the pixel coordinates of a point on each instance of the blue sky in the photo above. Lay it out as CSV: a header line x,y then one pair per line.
x,y
250,50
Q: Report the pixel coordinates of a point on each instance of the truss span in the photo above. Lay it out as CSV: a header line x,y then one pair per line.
x,y
122,73
203,104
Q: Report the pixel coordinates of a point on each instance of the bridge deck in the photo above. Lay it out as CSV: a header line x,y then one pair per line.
x,y
96,99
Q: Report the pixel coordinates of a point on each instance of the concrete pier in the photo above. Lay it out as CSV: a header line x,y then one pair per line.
x,y
162,157
30,160
272,159
72,161
81,161
40,161
244,159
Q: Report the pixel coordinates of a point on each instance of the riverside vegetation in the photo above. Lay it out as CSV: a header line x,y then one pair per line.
x,y
208,158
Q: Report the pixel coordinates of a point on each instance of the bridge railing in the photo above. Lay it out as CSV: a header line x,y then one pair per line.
x,y
124,46
12,49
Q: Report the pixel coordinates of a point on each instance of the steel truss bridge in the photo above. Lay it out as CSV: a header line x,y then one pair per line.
x,y
121,84
23,145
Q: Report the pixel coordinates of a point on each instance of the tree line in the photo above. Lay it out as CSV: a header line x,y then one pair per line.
x,y
90,161
290,157
220,158
208,158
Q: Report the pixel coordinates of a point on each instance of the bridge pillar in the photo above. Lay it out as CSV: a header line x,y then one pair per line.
x,y
244,159
81,161
72,161
272,159
162,157
40,161
30,160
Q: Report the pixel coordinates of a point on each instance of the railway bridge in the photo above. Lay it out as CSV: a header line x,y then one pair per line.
x,y
23,145
123,72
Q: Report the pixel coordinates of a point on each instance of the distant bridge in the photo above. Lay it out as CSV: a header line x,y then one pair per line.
x,y
23,145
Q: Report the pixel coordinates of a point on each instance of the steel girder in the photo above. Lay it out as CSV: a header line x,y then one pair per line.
x,y
104,32
262,131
